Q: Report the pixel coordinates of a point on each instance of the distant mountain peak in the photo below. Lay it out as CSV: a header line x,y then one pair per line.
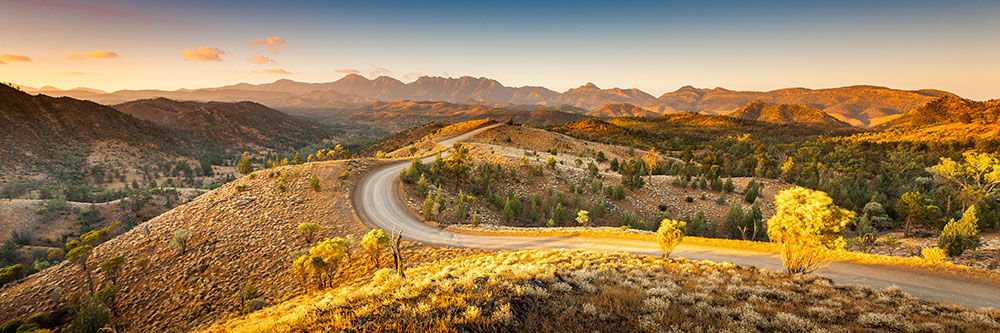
x,y
590,85
785,114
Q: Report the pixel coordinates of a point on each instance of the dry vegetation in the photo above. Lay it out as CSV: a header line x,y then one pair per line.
x,y
242,233
572,291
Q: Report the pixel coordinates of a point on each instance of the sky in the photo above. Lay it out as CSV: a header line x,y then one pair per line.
x,y
655,46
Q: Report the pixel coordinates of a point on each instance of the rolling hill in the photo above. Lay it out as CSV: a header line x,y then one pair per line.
x,y
621,110
948,109
241,125
785,114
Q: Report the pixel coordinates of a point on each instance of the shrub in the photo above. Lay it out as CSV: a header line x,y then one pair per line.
x,y
243,166
753,190
805,219
11,326
181,239
551,162
111,267
933,254
373,242
79,256
321,262
729,187
698,225
141,263
10,273
308,230
670,234
314,183
582,218
960,235
630,220
559,214
90,317
689,199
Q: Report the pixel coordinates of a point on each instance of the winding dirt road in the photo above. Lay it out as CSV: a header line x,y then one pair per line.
x,y
377,200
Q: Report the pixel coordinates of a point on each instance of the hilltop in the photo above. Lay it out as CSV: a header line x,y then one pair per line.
x,y
785,114
948,109
620,110
402,114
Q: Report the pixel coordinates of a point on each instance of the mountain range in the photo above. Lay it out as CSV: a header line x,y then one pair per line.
x,y
857,105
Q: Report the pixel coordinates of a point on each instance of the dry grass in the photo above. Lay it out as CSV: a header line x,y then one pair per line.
x,y
764,247
570,291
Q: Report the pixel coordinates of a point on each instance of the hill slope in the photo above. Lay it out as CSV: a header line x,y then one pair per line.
x,y
948,110
239,236
228,125
785,114
575,291
621,110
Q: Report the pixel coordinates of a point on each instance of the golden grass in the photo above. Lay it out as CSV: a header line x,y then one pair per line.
x,y
570,291
761,247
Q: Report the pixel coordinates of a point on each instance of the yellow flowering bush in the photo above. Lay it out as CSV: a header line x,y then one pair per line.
x,y
933,254
670,234
808,224
960,235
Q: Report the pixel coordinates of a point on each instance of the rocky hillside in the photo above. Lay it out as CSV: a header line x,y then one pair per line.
x,y
241,125
47,135
785,114
242,233
620,110
949,110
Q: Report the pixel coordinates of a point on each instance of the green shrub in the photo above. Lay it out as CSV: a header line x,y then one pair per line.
x,y
11,326
698,225
38,318
689,199
90,317
10,273
960,235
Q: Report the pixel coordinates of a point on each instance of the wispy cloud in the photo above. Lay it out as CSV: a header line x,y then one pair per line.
x,y
71,73
92,54
276,71
412,76
379,71
260,60
5,58
203,53
272,43
347,71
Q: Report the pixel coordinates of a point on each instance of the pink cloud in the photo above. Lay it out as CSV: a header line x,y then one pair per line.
x,y
5,58
272,43
92,54
203,53
277,71
260,60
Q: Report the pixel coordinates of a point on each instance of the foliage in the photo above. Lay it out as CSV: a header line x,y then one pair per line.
x,y
373,242
670,234
90,317
583,218
807,223
698,225
111,267
314,183
915,208
321,261
960,235
753,190
308,230
181,239
10,273
79,255
980,172
933,254
243,166
631,172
